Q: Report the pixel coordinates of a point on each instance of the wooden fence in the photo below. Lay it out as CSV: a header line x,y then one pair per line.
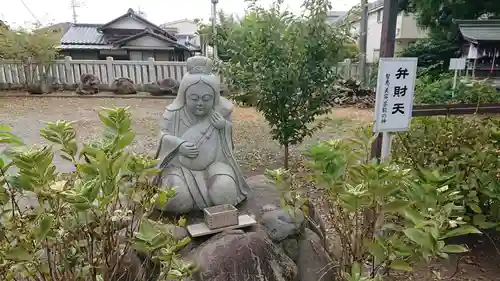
x,y
17,74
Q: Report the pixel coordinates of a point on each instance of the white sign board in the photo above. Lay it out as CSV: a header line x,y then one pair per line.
x,y
395,87
457,64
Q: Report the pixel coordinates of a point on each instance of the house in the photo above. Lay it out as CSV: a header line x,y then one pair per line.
x,y
128,37
482,48
185,30
407,30
335,16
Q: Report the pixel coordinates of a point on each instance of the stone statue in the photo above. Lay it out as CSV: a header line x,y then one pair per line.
x,y
196,147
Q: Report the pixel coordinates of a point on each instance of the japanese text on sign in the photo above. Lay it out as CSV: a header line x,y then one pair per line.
x,y
395,86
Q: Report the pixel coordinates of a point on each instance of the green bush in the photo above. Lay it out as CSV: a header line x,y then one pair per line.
x,y
433,54
383,214
440,91
467,147
88,225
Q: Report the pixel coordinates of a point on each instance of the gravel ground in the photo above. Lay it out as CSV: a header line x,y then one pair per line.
x,y
254,148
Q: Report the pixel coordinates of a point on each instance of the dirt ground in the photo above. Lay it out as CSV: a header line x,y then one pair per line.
x,y
254,149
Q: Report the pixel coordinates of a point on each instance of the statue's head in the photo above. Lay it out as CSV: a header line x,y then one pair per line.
x,y
199,90
200,98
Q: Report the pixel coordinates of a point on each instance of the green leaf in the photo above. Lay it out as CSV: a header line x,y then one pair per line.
x,y
125,140
454,249
355,270
401,266
18,254
377,251
174,273
414,216
395,206
44,227
107,122
462,230
420,237
99,278
474,207
147,231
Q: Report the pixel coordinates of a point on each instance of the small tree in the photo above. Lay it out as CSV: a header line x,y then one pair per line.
x,y
226,25
26,46
285,63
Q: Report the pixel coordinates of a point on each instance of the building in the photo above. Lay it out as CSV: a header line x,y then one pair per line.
x,y
482,48
407,30
335,16
186,30
128,37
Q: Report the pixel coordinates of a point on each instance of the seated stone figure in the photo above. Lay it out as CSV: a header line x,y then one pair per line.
x,y
195,148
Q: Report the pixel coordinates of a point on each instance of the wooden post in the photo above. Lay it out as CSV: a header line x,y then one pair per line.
x,y
110,70
363,38
29,71
152,69
347,70
69,77
387,41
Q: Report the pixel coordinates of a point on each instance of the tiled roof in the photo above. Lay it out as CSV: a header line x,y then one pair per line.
x,y
86,47
84,34
480,30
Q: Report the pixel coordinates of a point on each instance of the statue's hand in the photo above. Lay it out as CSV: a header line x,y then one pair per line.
x,y
217,120
189,150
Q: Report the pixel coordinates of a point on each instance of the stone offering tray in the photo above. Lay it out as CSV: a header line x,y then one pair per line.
x,y
201,229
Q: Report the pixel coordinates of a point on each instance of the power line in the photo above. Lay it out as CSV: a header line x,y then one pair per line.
x,y
74,5
32,14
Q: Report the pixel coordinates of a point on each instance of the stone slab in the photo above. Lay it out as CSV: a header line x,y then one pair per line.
x,y
201,229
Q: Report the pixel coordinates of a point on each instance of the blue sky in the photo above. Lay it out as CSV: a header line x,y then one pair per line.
x,y
157,11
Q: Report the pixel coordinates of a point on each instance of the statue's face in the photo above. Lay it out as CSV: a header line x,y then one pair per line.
x,y
200,99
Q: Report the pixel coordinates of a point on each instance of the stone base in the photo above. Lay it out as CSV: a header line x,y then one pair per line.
x,y
276,247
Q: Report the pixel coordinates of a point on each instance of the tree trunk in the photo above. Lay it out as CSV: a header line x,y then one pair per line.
x,y
287,148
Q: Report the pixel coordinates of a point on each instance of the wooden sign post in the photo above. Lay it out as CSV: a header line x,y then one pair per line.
x,y
394,101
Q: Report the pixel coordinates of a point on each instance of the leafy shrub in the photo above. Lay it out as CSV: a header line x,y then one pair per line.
x,y
466,147
382,214
433,54
87,225
440,91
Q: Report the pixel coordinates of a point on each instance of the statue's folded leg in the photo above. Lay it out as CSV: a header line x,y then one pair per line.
x,y
182,202
222,187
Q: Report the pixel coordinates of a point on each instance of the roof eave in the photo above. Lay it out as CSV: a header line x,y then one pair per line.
x,y
130,13
150,33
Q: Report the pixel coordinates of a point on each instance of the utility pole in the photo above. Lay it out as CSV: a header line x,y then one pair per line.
x,y
74,5
214,28
363,35
387,41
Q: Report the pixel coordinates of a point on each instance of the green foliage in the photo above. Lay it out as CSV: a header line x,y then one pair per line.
x,y
84,225
20,44
349,51
440,91
466,147
285,63
439,18
384,215
433,54
226,24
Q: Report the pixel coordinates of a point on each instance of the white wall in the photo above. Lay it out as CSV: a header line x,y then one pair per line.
x,y
185,27
407,32
128,23
148,41
374,34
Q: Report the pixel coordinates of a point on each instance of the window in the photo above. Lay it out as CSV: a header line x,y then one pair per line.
x,y
379,15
